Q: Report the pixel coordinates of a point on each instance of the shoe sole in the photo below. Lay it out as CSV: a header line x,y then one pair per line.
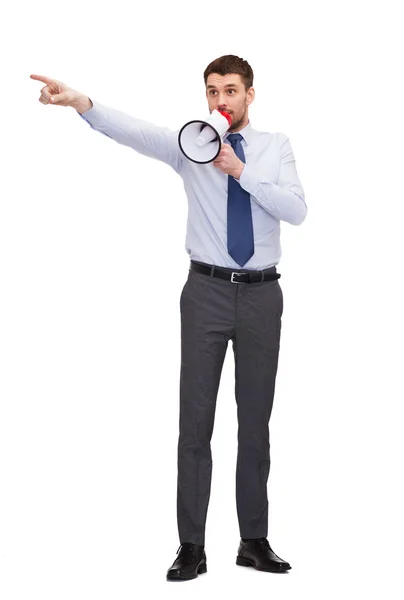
x,y
244,562
201,569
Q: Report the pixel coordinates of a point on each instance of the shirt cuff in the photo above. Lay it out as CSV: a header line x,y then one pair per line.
x,y
248,181
94,116
88,113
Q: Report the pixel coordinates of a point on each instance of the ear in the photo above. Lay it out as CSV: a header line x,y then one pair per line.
x,y
250,95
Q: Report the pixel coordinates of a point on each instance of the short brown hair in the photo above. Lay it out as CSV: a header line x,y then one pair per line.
x,y
231,64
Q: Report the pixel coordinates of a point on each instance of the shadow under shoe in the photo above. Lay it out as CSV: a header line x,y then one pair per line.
x,y
258,553
190,562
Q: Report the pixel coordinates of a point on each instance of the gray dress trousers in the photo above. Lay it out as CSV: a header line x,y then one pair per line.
x,y
213,311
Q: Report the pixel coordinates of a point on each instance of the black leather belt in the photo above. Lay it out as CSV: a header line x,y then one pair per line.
x,y
235,276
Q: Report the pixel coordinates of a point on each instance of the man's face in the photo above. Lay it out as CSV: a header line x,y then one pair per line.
x,y
227,92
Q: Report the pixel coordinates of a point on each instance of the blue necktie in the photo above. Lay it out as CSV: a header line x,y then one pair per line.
x,y
240,235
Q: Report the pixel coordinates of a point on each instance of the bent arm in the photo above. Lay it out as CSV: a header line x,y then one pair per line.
x,y
146,138
284,201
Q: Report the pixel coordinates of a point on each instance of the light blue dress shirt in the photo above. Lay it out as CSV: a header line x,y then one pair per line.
x,y
269,176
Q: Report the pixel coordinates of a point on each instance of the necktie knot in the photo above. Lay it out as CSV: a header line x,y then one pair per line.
x,y
234,137
235,141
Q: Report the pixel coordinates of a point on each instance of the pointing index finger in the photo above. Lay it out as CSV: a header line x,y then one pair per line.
x,y
42,78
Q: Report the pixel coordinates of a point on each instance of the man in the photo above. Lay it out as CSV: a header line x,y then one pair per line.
x,y
235,205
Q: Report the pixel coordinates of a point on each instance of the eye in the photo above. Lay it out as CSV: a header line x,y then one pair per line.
x,y
212,91
231,90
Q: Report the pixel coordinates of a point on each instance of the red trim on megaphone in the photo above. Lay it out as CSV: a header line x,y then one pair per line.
x,y
225,114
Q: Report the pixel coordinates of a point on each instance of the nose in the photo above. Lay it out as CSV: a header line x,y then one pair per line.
x,y
222,102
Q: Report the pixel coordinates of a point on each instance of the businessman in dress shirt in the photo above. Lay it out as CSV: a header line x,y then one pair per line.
x,y
232,292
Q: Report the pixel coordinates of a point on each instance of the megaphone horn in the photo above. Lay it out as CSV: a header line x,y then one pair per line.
x,y
201,141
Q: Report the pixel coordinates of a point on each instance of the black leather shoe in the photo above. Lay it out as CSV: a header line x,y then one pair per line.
x,y
258,553
190,562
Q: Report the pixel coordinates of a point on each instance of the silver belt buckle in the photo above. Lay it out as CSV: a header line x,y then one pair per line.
x,y
235,273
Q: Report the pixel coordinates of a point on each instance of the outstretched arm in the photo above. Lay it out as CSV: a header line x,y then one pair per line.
x,y
144,137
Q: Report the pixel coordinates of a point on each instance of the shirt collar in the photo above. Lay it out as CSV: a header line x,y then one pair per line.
x,y
247,132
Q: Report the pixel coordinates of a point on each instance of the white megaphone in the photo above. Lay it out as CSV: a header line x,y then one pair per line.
x,y
201,141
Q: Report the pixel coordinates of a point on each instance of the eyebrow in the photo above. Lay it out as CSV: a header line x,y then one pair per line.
x,y
228,85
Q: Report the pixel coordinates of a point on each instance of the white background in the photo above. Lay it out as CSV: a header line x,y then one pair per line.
x,y
92,264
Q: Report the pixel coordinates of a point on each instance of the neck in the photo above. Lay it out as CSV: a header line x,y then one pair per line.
x,y
239,127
